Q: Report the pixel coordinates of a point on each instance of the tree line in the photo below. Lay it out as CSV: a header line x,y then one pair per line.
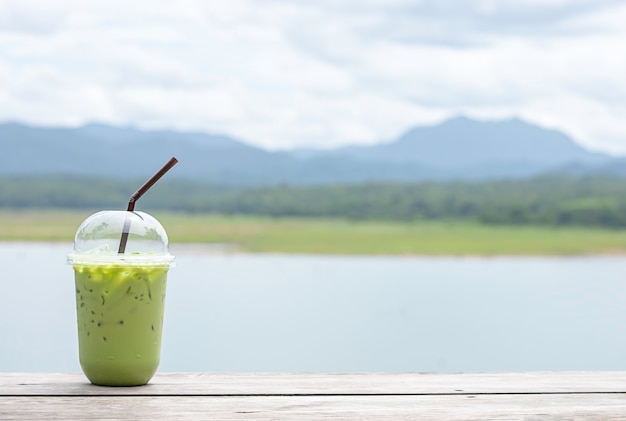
x,y
548,200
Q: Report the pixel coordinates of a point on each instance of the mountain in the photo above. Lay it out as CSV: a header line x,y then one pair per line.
x,y
464,147
459,148
100,150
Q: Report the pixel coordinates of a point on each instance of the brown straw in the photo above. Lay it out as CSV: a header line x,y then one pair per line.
x,y
140,192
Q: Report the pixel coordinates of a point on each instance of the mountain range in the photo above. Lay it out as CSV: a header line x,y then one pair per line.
x,y
459,148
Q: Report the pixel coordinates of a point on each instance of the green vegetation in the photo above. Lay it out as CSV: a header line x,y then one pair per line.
x,y
545,201
40,225
547,215
335,236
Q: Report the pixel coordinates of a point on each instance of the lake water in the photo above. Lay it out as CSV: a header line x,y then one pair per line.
x,y
247,312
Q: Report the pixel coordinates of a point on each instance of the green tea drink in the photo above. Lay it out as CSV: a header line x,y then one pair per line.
x,y
120,296
120,318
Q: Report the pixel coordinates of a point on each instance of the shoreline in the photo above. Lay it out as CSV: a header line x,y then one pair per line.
x,y
225,249
207,234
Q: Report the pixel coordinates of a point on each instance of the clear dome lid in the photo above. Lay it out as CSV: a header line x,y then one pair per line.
x,y
98,239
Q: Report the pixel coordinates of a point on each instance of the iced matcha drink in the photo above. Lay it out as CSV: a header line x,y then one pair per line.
x,y
120,316
120,296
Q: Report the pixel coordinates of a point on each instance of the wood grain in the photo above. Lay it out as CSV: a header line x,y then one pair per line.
x,y
317,396
225,384
449,407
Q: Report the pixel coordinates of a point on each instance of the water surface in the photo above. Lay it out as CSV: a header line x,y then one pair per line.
x,y
247,312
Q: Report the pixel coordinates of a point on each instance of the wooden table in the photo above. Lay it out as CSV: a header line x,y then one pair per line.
x,y
280,396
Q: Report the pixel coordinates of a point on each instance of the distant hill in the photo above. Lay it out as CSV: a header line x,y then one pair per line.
x,y
465,147
459,148
100,150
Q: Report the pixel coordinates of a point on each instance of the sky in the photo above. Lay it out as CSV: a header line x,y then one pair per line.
x,y
316,73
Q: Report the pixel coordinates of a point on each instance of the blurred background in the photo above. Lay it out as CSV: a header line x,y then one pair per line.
x,y
381,146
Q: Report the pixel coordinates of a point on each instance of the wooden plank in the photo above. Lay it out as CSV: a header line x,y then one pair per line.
x,y
224,384
603,407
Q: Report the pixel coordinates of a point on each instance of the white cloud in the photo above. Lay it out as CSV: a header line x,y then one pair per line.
x,y
299,73
595,124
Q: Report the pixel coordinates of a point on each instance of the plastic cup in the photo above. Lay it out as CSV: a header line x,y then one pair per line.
x,y
120,298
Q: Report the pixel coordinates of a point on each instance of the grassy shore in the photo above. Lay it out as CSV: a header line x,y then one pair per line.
x,y
256,234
